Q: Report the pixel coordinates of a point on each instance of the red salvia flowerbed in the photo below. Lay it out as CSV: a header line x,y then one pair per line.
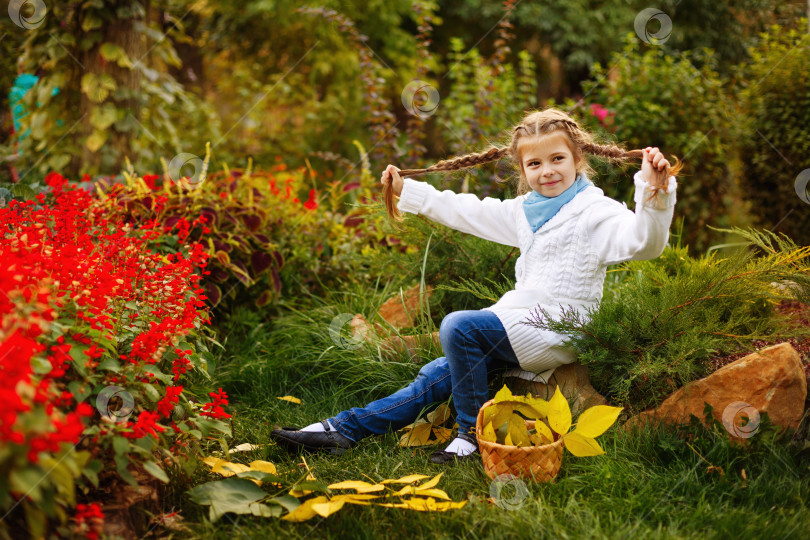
x,y
99,340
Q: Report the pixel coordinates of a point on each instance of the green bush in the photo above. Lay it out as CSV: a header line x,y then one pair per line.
x,y
775,142
661,100
658,327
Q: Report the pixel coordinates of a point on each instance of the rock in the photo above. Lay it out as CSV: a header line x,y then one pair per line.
x,y
574,383
401,311
770,380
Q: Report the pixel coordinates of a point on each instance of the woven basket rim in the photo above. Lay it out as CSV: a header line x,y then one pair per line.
x,y
496,445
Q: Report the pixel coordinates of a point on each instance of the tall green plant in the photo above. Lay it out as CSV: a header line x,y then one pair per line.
x,y
657,99
775,143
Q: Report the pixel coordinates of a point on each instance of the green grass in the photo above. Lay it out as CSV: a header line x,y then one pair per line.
x,y
649,484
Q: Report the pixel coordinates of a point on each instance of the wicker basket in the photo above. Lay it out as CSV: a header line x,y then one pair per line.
x,y
539,463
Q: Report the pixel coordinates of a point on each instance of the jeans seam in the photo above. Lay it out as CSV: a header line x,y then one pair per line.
x,y
398,403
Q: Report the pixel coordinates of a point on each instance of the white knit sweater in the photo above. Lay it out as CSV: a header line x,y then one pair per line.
x,y
563,264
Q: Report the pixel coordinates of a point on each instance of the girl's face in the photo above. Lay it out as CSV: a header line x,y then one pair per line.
x,y
548,163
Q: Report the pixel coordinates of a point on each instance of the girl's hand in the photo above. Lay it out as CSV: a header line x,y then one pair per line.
x,y
391,176
654,168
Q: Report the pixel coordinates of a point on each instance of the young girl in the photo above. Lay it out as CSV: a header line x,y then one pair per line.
x,y
568,233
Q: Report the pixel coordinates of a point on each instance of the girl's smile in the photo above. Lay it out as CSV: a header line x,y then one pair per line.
x,y
548,163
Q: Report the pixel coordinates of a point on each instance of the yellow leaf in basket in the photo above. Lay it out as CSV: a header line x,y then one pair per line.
x,y
582,446
357,485
559,413
504,394
544,432
508,440
410,479
595,421
540,405
306,510
489,433
503,411
291,399
517,431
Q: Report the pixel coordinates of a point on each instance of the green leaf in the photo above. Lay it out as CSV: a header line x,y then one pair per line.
x,y
229,495
96,140
155,470
91,21
103,116
120,445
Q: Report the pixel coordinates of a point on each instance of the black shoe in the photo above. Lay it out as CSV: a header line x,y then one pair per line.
x,y
442,456
294,440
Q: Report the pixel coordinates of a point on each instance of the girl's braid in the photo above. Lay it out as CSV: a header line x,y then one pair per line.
x,y
611,151
446,165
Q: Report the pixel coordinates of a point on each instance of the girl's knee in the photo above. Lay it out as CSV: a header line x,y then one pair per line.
x,y
451,326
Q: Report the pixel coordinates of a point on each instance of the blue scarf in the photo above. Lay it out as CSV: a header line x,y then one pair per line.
x,y
539,208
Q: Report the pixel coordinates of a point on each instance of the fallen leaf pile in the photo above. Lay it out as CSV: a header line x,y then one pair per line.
x,y
428,431
240,493
552,421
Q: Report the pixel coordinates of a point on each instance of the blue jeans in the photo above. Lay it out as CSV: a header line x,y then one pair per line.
x,y
475,344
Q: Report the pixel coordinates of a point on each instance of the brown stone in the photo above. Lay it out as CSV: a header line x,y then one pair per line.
x,y
574,383
401,311
770,380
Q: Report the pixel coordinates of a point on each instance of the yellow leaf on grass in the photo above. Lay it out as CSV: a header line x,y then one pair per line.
x,y
225,468
582,446
595,421
439,415
410,479
355,498
418,436
262,466
358,485
441,434
410,490
326,509
291,399
432,492
559,413
306,510
425,505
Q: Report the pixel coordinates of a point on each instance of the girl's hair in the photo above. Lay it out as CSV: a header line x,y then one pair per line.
x,y
537,123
